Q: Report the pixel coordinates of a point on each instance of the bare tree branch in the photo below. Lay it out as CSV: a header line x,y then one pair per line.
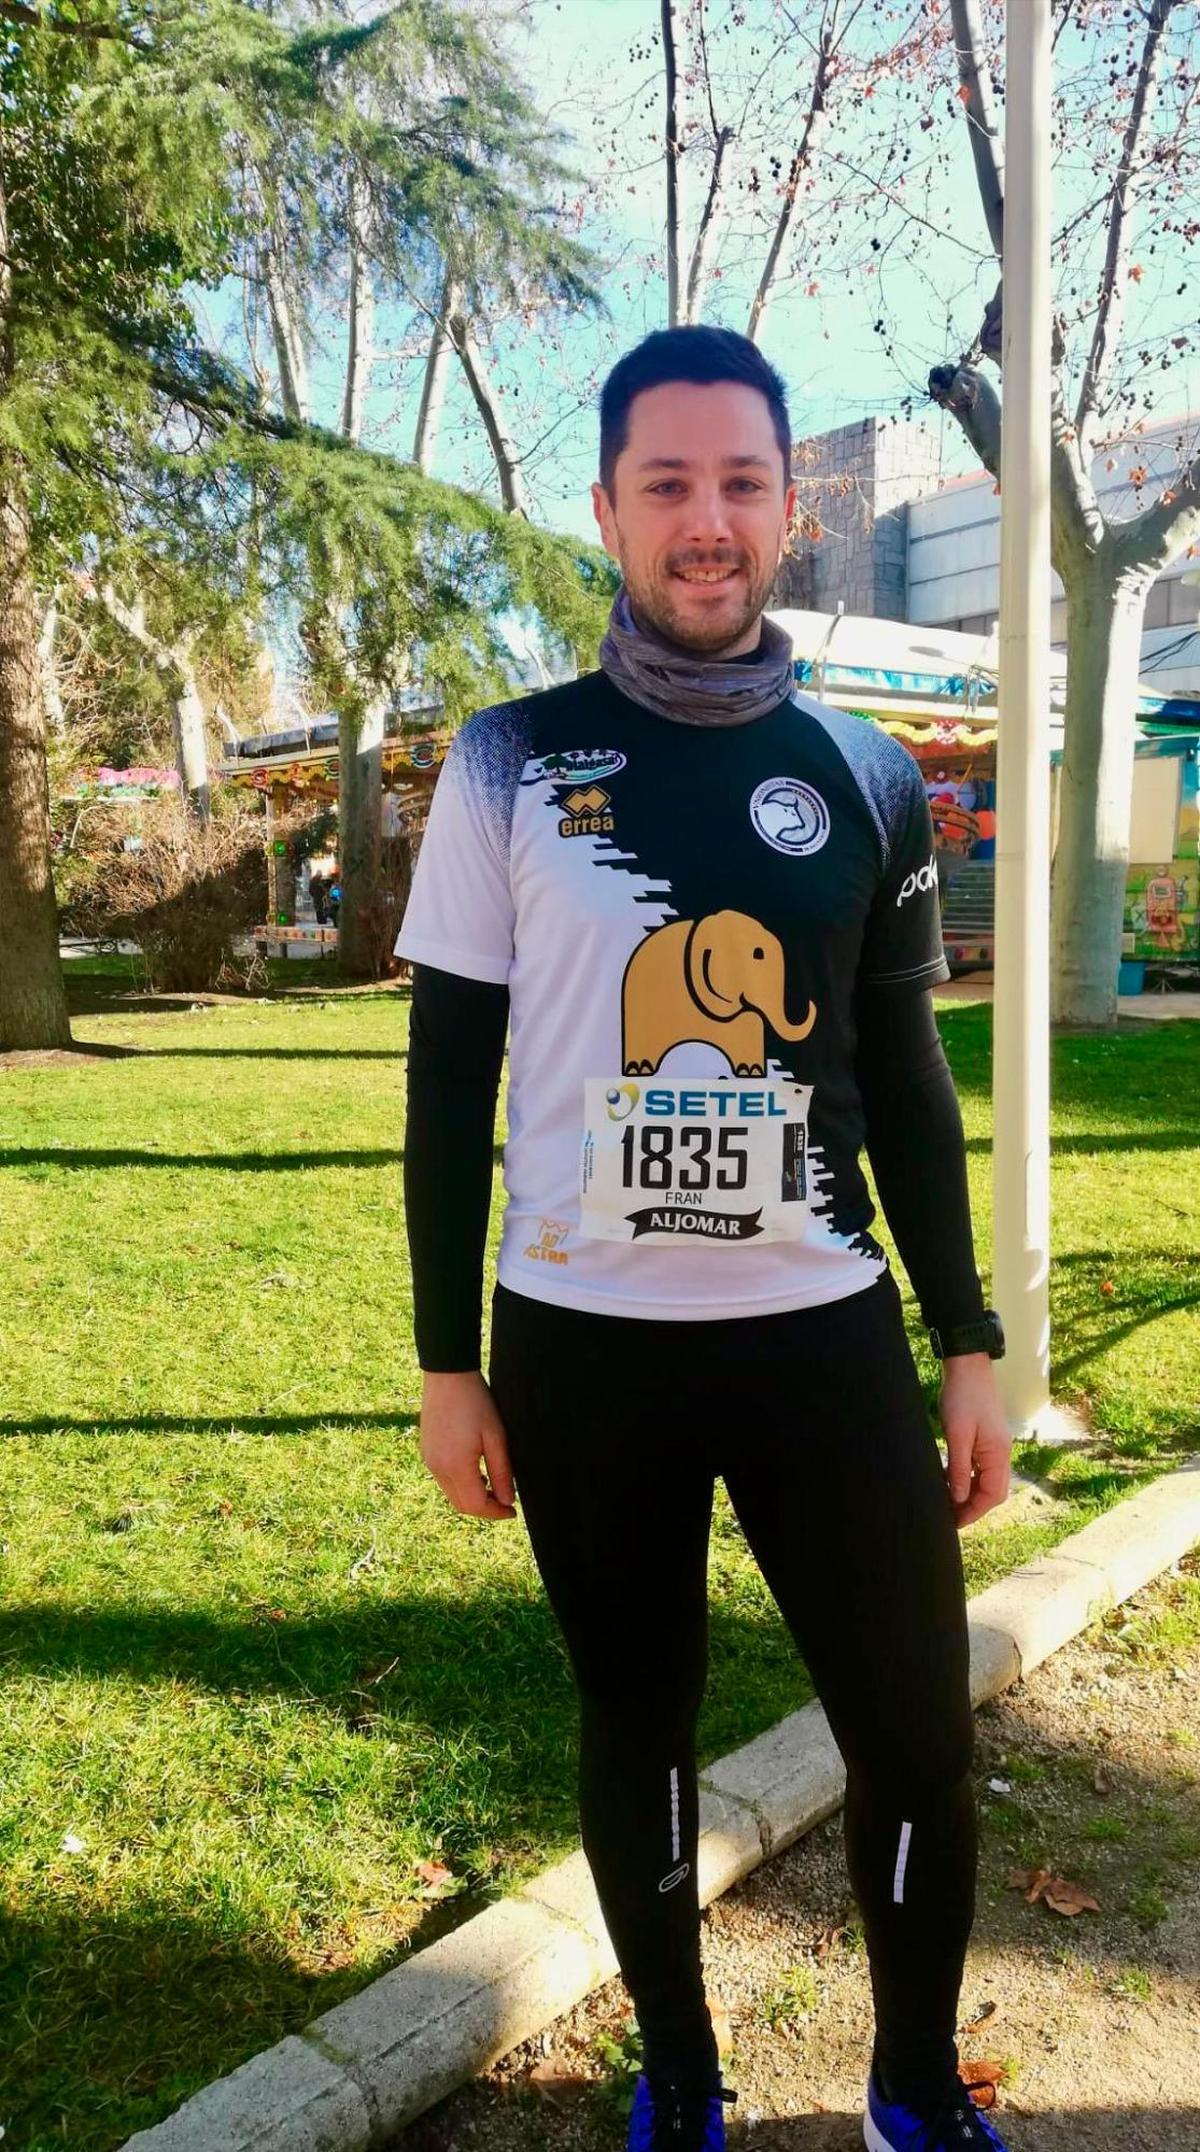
x,y
674,152
975,78
1110,317
698,267
827,43
508,462
1163,531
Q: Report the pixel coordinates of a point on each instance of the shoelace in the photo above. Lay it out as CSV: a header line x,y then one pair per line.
x,y
680,2121
959,2122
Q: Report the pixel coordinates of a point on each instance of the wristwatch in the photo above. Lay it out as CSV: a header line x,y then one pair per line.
x,y
984,1335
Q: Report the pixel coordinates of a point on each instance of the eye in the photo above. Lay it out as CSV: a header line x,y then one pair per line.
x,y
759,954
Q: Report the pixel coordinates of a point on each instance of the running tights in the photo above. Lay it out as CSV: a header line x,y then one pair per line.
x,y
618,1428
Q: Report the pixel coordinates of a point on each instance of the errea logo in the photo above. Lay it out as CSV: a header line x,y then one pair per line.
x,y
925,878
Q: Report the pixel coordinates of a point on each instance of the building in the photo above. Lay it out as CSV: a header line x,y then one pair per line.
x,y
885,535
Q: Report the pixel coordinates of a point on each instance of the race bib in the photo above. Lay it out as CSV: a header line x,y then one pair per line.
x,y
722,1162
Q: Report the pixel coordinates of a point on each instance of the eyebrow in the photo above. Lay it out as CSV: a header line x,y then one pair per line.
x,y
680,463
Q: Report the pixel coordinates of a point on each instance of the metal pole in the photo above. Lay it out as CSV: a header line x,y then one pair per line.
x,y
1021,1072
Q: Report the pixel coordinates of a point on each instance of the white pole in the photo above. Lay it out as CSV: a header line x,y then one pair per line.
x,y
1021,1072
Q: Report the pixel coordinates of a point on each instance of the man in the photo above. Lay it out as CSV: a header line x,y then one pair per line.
x,y
711,906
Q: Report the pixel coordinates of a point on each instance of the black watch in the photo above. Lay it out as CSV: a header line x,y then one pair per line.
x,y
984,1335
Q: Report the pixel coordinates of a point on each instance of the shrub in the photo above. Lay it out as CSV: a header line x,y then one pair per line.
x,y
186,896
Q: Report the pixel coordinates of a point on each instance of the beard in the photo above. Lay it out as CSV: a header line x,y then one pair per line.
x,y
658,602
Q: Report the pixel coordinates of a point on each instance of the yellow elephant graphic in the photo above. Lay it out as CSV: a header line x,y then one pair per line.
x,y
717,980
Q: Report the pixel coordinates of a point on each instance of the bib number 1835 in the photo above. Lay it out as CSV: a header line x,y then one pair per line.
x,y
689,1157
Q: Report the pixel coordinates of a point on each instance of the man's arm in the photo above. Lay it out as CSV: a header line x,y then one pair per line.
x,y
455,1056
918,1156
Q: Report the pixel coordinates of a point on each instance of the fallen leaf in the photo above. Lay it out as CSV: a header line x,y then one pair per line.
x,y
435,1876
1068,1898
963,95
1107,1288
985,2011
1101,1780
982,2080
827,1941
1136,272
722,2025
555,2076
1060,1895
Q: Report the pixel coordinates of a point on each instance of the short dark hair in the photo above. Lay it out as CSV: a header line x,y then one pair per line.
x,y
698,353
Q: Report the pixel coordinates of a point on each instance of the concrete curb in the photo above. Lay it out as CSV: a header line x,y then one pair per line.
x,y
358,2074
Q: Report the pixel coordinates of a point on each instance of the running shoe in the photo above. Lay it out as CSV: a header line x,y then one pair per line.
x,y
668,2120
957,2125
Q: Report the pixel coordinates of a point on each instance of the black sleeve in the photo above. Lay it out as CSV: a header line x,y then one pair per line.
x,y
455,1055
917,1153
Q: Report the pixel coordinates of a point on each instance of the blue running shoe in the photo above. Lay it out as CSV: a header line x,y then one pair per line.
x,y
677,2121
957,2126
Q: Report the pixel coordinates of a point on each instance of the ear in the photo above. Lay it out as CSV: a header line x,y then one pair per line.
x,y
605,514
698,946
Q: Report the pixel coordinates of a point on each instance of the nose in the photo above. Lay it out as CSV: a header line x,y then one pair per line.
x,y
708,520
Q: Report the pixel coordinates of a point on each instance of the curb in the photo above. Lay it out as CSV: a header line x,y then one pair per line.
x,y
365,2069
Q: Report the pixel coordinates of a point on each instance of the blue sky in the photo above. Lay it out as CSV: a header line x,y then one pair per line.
x,y
594,68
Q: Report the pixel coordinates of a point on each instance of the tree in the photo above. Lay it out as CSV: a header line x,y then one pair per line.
x,y
1142,62
435,169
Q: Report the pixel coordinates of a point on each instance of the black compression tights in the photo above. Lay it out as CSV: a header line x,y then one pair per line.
x,y
815,1420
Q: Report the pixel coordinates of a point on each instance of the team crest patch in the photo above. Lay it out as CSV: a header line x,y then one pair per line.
x,y
574,766
789,816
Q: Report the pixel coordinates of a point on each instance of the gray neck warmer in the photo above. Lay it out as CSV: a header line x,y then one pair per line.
x,y
694,690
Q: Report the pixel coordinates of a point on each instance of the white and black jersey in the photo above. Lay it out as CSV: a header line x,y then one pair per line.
x,y
683,917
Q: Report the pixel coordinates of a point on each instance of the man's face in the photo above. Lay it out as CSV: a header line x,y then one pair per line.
x,y
698,512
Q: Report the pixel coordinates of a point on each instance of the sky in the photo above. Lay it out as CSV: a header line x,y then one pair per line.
x,y
595,69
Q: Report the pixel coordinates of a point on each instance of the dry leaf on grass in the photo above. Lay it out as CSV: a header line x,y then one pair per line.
x,y
1060,1895
1101,1780
435,1878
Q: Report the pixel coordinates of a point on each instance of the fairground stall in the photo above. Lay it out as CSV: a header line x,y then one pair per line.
x,y
297,770
936,692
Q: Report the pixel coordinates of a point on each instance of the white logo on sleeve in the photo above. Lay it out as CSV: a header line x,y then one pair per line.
x,y
790,816
924,878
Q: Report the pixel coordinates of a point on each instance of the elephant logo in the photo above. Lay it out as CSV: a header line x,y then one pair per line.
x,y
718,981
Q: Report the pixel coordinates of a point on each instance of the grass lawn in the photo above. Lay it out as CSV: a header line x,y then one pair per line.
x,y
255,1672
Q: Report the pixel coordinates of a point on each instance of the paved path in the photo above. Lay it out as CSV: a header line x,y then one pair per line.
x,y
1148,1008
1090,1768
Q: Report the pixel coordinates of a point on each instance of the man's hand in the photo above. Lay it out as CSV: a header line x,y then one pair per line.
x,y
978,1444
460,1429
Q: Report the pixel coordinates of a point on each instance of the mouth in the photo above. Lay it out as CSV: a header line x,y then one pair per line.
x,y
718,578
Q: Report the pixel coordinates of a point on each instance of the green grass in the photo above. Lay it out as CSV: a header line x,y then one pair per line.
x,y
252,1664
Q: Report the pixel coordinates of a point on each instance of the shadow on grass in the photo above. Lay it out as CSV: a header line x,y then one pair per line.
x,y
221,1161
185,1423
123,2012
1144,1289
207,1161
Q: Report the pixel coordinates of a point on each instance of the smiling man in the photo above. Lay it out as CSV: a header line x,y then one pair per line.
x,y
707,906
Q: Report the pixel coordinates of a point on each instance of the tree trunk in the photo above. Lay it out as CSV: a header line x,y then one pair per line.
x,y
360,836
191,746
1104,629
433,388
33,1004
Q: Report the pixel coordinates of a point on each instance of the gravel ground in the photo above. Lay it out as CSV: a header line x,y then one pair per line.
x,y
1091,1769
